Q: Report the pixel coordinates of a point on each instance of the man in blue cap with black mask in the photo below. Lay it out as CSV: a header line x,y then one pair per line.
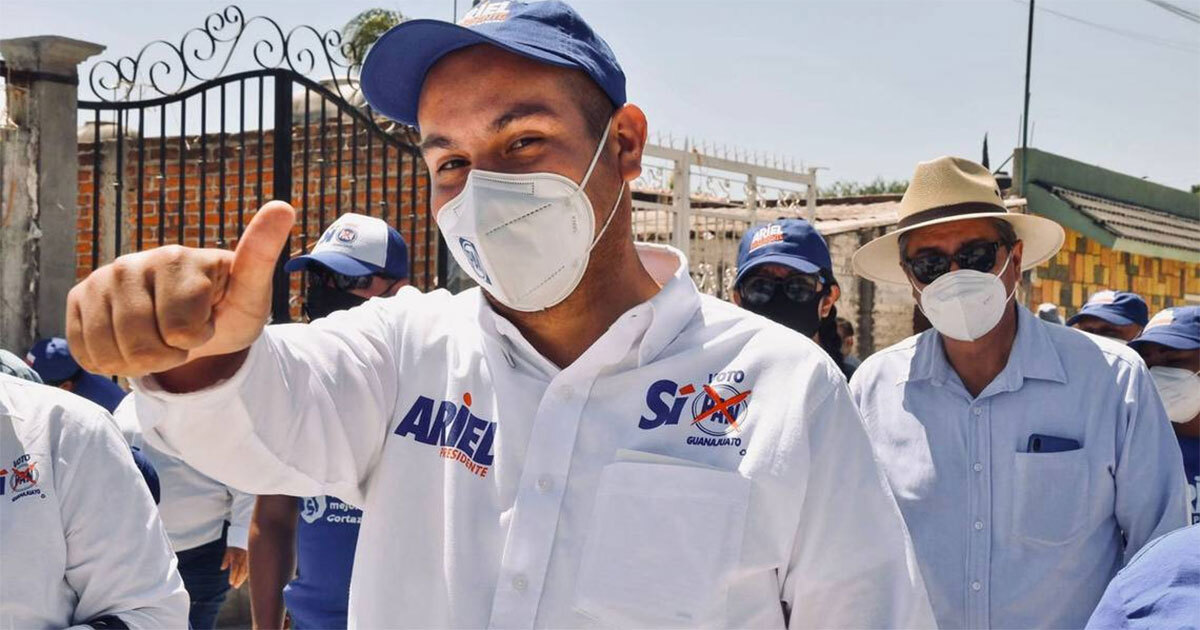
x,y
302,548
583,440
785,274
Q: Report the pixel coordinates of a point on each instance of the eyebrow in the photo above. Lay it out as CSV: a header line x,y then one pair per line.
x,y
513,114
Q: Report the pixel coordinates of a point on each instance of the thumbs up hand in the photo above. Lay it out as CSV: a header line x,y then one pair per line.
x,y
159,309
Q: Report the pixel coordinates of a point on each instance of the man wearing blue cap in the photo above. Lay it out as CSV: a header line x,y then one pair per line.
x,y
583,440
52,360
1114,314
357,258
314,538
785,274
1170,345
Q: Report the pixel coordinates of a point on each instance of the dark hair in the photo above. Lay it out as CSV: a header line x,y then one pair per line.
x,y
830,340
1008,236
593,102
845,328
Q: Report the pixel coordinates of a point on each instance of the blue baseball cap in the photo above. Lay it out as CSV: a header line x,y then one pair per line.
x,y
52,360
357,245
549,31
1176,328
793,243
1119,308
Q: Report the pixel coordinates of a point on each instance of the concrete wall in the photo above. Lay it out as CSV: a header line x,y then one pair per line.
x,y
38,177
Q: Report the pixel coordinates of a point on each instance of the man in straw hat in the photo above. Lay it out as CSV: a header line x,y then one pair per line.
x,y
1030,460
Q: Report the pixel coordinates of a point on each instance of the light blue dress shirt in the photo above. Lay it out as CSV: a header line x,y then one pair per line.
x,y
1006,538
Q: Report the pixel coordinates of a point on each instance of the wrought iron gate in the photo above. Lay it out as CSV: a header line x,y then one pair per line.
x,y
192,163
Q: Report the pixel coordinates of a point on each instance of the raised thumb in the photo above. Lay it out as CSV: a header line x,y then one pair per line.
x,y
258,250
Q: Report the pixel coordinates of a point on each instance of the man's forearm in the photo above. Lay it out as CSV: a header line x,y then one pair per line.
x,y
272,563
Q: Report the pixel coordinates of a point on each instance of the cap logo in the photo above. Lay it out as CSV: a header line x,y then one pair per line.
x,y
1164,318
487,12
347,235
766,235
1102,297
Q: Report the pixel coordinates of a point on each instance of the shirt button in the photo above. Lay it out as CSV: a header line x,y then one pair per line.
x,y
519,583
978,467
975,586
566,392
544,483
978,411
978,525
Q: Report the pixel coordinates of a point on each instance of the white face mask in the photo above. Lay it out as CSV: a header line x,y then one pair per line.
x,y
525,238
1179,390
965,304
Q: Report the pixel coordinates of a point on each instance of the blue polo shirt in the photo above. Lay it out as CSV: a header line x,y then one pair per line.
x,y
1160,588
99,390
325,540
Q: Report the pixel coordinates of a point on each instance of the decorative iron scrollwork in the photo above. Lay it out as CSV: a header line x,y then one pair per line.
x,y
204,53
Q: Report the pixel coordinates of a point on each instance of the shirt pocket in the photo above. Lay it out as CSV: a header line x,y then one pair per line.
x,y
1050,496
662,545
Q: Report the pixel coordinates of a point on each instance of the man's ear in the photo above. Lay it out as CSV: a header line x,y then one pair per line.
x,y
828,300
629,124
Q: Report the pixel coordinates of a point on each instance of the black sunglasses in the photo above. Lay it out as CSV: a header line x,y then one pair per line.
x,y
798,287
340,281
928,266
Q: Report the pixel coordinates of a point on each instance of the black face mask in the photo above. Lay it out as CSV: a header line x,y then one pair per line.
x,y
802,317
321,300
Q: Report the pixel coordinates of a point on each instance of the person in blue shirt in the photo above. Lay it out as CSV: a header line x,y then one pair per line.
x,y
356,258
52,360
1159,588
1170,345
1030,460
1113,314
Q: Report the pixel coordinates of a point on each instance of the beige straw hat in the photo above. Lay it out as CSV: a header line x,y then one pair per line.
x,y
953,189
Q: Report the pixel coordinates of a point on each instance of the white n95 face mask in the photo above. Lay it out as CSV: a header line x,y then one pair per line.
x,y
524,237
1179,390
965,304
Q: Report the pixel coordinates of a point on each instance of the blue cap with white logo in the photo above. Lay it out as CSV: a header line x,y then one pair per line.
x,y
1176,328
792,243
1119,308
357,245
549,31
52,360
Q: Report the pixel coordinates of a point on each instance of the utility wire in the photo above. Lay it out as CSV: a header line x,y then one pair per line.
x,y
1142,37
1177,10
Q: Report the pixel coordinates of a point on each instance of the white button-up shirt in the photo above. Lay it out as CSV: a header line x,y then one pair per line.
x,y
1009,538
79,535
194,507
696,466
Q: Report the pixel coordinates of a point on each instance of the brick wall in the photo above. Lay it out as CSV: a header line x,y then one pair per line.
x,y
180,184
1083,267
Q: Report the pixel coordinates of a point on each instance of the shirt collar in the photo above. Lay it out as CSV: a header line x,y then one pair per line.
x,y
1033,355
650,326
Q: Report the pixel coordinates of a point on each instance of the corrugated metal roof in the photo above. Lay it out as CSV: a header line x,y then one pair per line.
x,y
1135,222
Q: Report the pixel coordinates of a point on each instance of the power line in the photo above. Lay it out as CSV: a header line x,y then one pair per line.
x,y
1142,37
1177,10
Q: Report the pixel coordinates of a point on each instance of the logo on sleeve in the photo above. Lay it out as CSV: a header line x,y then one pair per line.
x,y
461,435
22,478
717,409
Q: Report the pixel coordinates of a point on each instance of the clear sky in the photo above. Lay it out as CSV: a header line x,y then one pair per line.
x,y
864,88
